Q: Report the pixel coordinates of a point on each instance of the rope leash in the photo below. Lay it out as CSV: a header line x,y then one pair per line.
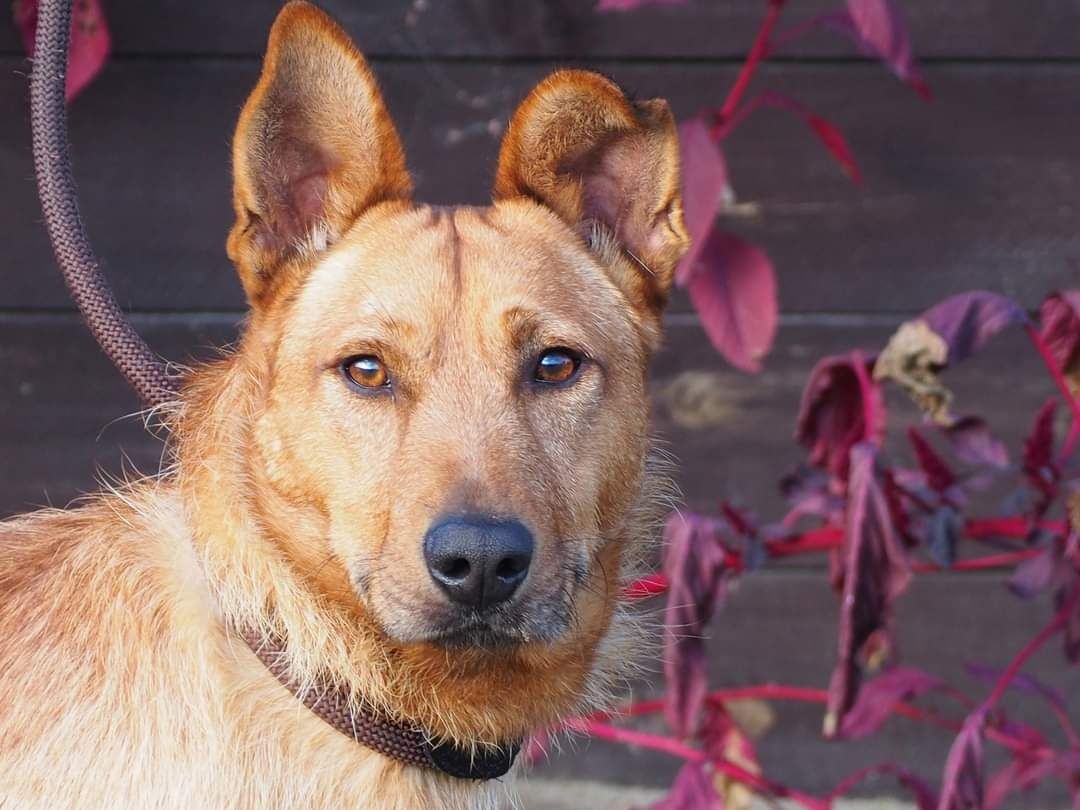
x,y
144,370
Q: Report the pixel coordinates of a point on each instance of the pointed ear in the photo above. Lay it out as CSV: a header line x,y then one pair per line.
x,y
314,147
607,166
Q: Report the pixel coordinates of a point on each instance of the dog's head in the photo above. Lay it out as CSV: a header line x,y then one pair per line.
x,y
450,436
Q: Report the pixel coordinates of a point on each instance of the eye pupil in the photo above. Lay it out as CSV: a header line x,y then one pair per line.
x,y
367,371
556,366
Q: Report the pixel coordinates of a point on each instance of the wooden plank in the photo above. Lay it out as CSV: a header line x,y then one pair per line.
x,y
781,627
975,190
570,28
62,408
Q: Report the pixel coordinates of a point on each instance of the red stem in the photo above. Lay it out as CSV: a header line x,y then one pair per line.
x,y
1063,386
656,742
1029,649
827,538
758,52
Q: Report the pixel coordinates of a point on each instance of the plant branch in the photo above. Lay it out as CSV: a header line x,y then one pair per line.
x,y
1063,386
759,51
1029,649
656,742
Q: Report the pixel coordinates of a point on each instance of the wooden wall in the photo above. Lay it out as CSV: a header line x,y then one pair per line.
x,y
976,190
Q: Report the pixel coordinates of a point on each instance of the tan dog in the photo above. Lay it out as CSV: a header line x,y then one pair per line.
x,y
425,467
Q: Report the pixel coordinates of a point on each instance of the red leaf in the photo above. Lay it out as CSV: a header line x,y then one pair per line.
x,y
962,787
827,133
704,186
972,441
840,407
878,698
968,320
694,562
938,474
880,31
875,573
1059,316
1039,467
1039,445
733,289
90,41
692,790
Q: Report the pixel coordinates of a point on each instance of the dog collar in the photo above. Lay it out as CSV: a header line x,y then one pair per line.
x,y
395,739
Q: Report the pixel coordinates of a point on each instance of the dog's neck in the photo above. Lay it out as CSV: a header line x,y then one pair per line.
x,y
240,520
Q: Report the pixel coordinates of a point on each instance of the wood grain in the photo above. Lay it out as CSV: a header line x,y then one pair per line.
x,y
975,190
570,28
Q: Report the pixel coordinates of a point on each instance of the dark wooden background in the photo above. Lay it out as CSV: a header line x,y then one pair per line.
x,y
976,190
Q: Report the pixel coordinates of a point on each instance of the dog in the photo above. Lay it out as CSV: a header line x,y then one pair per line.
x,y
424,468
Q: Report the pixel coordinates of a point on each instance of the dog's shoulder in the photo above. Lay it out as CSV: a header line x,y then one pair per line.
x,y
59,567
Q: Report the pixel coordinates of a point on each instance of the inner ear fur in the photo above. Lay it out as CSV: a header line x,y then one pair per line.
x,y
314,148
607,166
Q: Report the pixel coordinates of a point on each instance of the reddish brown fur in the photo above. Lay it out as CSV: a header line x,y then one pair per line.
x,y
297,505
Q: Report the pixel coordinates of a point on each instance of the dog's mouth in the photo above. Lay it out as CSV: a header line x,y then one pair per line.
x,y
477,634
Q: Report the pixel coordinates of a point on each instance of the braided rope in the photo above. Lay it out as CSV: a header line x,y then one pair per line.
x,y
144,370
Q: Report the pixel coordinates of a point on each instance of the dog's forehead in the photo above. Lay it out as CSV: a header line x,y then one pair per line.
x,y
434,265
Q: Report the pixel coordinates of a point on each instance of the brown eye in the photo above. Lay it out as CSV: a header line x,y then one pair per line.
x,y
557,366
367,371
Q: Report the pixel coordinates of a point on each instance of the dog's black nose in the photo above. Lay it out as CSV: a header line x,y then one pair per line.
x,y
478,562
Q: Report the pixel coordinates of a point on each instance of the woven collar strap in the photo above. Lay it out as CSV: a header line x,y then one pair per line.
x,y
388,737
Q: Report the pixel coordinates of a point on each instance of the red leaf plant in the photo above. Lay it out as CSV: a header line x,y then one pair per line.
x,y
882,523
732,283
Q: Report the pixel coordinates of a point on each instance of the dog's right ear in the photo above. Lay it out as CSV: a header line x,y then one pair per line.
x,y
313,149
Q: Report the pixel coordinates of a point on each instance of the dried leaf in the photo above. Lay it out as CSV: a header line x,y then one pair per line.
x,y
841,406
733,288
694,562
913,357
944,335
90,41
875,573
878,697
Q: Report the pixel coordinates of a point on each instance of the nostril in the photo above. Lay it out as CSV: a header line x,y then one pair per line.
x,y
512,567
455,568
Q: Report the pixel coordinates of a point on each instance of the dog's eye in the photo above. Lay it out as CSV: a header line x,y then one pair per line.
x,y
366,371
557,366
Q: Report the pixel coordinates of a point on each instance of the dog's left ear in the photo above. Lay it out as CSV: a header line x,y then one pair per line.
x,y
313,149
607,166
